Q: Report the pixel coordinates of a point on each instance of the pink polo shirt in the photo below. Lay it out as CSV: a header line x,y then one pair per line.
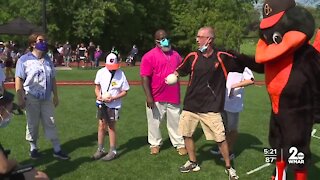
x,y
158,65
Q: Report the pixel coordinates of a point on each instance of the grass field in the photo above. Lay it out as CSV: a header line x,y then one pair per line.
x,y
77,126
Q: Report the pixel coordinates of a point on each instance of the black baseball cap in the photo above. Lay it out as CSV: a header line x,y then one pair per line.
x,y
273,10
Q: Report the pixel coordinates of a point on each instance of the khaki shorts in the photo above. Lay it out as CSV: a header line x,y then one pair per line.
x,y
212,125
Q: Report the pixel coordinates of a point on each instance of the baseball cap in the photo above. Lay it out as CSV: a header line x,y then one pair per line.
x,y
273,10
112,62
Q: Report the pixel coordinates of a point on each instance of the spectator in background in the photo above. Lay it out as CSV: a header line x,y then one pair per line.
x,y
2,80
35,84
8,61
82,51
162,100
97,55
131,59
67,53
91,51
116,52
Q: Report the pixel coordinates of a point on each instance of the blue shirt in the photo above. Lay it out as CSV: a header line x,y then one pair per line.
x,y
37,75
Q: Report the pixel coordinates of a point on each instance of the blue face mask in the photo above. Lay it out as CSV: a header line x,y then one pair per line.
x,y
203,48
164,42
41,46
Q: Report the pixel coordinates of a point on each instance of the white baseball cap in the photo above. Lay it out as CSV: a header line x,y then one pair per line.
x,y
112,62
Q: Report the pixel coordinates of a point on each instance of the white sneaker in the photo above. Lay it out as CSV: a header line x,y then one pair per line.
x,y
189,166
232,173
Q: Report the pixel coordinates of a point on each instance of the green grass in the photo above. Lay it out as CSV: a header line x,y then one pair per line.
x,y
77,125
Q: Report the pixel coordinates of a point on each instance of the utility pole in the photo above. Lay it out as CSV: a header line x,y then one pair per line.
x,y
44,16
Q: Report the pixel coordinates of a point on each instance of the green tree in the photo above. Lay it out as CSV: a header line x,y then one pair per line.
x,y
229,19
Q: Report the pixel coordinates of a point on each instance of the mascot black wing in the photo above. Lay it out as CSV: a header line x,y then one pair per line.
x,y
292,67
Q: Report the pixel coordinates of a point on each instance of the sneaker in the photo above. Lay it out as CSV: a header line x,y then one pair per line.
x,y
231,157
35,154
232,173
61,155
215,151
154,150
110,156
98,155
182,151
189,166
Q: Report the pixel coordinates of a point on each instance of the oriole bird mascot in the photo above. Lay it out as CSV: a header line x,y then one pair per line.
x,y
292,69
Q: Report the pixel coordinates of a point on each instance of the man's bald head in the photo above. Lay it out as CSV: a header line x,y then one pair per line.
x,y
160,34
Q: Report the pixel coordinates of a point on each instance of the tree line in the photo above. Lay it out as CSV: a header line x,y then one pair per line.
x,y
122,23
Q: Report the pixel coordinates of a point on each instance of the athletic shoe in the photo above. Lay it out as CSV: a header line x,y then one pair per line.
x,y
110,156
61,155
35,154
98,155
189,166
232,173
215,151
182,151
231,157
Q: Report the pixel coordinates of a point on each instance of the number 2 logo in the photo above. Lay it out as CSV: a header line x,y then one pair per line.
x,y
293,151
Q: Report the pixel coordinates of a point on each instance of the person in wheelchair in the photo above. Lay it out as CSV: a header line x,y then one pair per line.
x,y
10,169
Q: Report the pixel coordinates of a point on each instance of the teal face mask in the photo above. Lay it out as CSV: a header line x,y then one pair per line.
x,y
164,42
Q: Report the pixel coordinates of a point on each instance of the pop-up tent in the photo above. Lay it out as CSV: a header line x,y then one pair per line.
x,y
19,26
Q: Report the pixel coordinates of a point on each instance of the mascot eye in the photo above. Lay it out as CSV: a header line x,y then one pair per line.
x,y
277,38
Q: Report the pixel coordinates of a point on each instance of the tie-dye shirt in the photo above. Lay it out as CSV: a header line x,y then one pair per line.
x,y
37,75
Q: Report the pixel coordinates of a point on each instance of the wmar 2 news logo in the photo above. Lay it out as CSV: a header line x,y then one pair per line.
x,y
295,157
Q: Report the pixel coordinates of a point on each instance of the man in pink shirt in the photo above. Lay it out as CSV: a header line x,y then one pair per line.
x,y
162,99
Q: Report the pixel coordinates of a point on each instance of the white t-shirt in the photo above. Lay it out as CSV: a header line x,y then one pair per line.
x,y
118,83
234,103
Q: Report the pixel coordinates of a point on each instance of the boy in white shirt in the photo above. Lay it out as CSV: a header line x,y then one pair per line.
x,y
111,86
234,105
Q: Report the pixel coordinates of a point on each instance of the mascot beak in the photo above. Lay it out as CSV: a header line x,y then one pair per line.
x,y
291,41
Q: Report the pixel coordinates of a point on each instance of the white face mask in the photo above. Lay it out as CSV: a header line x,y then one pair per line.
x,y
5,122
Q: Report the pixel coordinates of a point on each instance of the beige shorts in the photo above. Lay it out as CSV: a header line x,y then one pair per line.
x,y
212,125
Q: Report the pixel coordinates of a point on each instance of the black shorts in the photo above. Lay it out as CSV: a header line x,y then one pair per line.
x,y
107,114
